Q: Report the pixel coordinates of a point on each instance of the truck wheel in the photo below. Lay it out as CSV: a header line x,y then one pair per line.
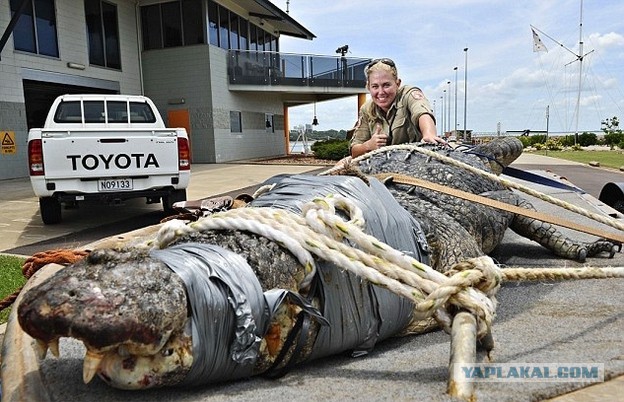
x,y
50,209
172,198
612,194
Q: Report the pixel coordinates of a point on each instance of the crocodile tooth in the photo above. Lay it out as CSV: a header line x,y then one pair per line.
x,y
41,348
90,365
54,347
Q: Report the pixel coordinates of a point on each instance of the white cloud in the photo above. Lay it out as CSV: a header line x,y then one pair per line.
x,y
506,81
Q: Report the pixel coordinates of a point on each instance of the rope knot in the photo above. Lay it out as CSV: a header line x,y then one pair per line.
x,y
320,214
488,275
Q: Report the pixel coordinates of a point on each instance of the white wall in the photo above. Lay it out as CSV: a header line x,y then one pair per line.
x,y
73,47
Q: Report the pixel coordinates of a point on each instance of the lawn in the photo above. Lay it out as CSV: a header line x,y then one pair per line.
x,y
609,159
11,278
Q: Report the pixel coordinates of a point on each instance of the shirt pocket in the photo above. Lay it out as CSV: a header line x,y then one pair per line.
x,y
399,122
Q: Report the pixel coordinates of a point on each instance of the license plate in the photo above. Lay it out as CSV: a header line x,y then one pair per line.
x,y
115,185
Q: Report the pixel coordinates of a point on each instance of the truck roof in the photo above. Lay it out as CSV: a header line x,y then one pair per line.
x,y
114,97
100,110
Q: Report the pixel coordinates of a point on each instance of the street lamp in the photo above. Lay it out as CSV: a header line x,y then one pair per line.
x,y
442,117
448,110
455,122
465,89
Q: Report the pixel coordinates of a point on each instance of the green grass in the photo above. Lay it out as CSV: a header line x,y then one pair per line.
x,y
11,279
609,159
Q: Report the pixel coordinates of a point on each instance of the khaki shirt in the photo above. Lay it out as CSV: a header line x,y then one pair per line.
x,y
401,122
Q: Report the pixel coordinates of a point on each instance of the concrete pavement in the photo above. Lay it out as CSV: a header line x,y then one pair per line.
x,y
538,322
21,223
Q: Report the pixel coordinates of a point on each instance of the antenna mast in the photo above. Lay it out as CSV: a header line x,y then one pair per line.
x,y
580,77
579,57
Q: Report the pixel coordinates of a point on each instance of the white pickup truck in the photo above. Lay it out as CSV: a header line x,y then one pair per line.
x,y
106,148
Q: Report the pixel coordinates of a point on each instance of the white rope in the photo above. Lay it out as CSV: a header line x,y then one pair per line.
x,y
320,231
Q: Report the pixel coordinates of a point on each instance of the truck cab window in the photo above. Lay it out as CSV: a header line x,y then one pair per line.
x,y
94,112
117,112
141,113
68,112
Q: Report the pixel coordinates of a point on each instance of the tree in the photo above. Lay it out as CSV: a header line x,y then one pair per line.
x,y
613,133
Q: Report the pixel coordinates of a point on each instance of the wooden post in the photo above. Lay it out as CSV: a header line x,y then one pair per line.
x,y
463,351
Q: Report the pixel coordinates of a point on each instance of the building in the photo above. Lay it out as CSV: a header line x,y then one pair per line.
x,y
211,66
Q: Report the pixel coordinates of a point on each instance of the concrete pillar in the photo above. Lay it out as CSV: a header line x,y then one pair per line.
x,y
286,131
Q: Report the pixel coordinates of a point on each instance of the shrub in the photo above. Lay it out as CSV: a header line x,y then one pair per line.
x,y
553,144
567,141
333,149
613,139
537,139
587,139
526,142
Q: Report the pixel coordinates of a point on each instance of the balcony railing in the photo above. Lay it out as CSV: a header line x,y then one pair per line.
x,y
271,68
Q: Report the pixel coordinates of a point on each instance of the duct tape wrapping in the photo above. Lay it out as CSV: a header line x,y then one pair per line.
x,y
359,313
227,306
229,311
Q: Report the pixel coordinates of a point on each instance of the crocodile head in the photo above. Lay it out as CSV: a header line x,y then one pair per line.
x,y
129,310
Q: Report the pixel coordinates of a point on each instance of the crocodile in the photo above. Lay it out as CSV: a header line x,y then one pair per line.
x,y
216,305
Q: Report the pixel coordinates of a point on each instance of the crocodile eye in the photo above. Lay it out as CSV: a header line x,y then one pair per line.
x,y
167,352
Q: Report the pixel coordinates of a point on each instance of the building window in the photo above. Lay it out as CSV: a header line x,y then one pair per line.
x,y
236,125
234,43
244,34
35,31
175,23
231,31
193,27
253,38
151,27
103,34
213,23
224,28
171,24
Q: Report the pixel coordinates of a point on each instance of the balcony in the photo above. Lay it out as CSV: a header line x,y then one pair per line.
x,y
311,72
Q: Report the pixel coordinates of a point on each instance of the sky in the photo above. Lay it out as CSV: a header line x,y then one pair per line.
x,y
509,86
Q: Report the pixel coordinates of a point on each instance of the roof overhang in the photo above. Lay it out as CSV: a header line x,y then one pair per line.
x,y
283,23
295,95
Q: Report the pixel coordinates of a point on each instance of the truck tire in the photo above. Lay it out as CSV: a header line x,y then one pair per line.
x,y
612,194
173,197
50,209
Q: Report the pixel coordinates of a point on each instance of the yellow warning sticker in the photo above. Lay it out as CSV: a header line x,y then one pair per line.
x,y
8,142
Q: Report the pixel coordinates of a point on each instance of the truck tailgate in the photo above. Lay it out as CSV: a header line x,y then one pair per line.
x,y
91,154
